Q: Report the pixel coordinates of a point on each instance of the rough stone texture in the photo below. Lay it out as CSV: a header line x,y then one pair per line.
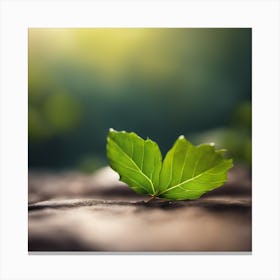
x,y
72,211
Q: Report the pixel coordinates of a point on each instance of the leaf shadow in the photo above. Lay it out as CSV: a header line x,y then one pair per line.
x,y
215,205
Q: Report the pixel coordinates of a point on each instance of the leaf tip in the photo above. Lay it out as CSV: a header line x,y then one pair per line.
x,y
111,129
181,137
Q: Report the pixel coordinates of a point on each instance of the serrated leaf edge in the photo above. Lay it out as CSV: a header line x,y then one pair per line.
x,y
189,180
155,194
133,162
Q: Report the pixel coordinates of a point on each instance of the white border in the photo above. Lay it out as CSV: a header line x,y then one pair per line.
x,y
262,16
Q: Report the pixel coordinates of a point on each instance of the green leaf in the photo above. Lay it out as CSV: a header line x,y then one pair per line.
x,y
187,171
137,161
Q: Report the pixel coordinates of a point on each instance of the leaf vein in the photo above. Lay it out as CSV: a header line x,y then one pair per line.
x,y
137,167
184,164
187,181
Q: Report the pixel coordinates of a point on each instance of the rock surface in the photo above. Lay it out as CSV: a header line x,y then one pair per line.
x,y
72,211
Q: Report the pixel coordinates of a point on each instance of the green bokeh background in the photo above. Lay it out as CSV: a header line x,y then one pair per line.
x,y
160,83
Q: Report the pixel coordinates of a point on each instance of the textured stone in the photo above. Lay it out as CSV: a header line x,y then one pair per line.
x,y
76,212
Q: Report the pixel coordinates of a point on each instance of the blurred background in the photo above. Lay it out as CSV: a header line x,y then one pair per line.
x,y
159,83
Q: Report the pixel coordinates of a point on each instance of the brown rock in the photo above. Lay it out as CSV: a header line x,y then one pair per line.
x,y
76,212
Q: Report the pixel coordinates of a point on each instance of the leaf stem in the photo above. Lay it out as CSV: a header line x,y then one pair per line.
x,y
150,199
